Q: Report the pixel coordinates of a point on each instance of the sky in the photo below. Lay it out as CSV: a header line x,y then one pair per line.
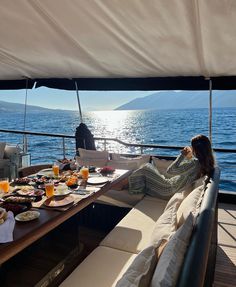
x,y
60,99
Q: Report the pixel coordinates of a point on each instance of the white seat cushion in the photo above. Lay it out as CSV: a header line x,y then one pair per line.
x,y
102,268
133,232
121,198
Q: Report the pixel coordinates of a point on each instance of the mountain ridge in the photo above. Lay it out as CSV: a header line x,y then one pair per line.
x,y
181,100
17,107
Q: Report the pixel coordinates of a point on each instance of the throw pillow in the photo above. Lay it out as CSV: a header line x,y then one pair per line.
x,y
139,273
92,154
190,204
2,148
120,162
172,257
165,225
177,198
92,158
90,162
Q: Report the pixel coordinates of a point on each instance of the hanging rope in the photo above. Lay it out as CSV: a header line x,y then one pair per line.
x,y
25,145
78,100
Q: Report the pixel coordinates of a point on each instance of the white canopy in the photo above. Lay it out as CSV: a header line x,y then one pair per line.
x,y
117,38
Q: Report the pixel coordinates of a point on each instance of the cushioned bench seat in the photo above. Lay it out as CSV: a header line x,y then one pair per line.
x,y
121,198
132,233
103,260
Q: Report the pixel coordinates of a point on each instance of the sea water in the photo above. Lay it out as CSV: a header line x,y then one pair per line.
x,y
161,127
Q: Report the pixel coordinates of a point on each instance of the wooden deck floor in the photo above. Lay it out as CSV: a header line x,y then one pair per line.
x,y
225,272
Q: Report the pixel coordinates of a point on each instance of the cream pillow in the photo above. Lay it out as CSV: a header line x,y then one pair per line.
x,y
177,198
93,154
190,204
171,260
91,162
92,157
139,273
118,161
2,148
162,165
165,225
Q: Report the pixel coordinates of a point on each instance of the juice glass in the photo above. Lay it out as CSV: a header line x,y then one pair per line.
x,y
4,184
55,169
84,171
49,188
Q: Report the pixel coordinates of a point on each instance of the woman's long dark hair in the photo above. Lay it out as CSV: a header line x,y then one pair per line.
x,y
202,150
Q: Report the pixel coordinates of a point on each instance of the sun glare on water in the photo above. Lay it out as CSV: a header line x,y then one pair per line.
x,y
114,124
112,120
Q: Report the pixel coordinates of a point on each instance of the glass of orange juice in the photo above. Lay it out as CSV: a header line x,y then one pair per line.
x,y
84,171
55,169
4,184
49,188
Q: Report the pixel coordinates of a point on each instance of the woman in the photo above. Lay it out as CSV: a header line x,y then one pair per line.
x,y
191,164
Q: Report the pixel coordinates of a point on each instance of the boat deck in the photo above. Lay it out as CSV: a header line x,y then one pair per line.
x,y
225,272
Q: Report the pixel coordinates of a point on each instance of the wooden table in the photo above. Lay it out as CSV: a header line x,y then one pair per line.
x,y
25,233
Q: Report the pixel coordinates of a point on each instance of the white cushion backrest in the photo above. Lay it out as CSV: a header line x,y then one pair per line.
x,y
172,257
165,225
93,154
139,273
128,163
190,204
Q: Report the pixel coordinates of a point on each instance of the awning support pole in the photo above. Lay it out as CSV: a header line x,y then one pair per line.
x,y
25,145
210,110
77,93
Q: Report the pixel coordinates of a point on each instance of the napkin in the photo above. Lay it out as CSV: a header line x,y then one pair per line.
x,y
6,228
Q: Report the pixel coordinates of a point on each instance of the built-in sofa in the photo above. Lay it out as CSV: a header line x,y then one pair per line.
x,y
141,249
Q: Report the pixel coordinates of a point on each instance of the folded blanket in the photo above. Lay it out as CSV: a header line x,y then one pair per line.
x,y
6,228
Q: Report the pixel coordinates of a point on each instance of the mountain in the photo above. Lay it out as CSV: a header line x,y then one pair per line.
x,y
15,107
181,100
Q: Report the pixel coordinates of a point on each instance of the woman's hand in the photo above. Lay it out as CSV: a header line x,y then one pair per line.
x,y
187,152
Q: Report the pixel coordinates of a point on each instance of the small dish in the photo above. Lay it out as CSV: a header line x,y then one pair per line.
x,y
27,215
33,192
97,180
46,172
55,201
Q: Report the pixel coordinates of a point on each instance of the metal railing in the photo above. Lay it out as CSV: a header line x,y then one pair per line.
x,y
105,140
61,148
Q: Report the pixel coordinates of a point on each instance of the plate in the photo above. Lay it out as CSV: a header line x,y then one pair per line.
x,y
30,192
27,215
58,201
46,172
97,180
